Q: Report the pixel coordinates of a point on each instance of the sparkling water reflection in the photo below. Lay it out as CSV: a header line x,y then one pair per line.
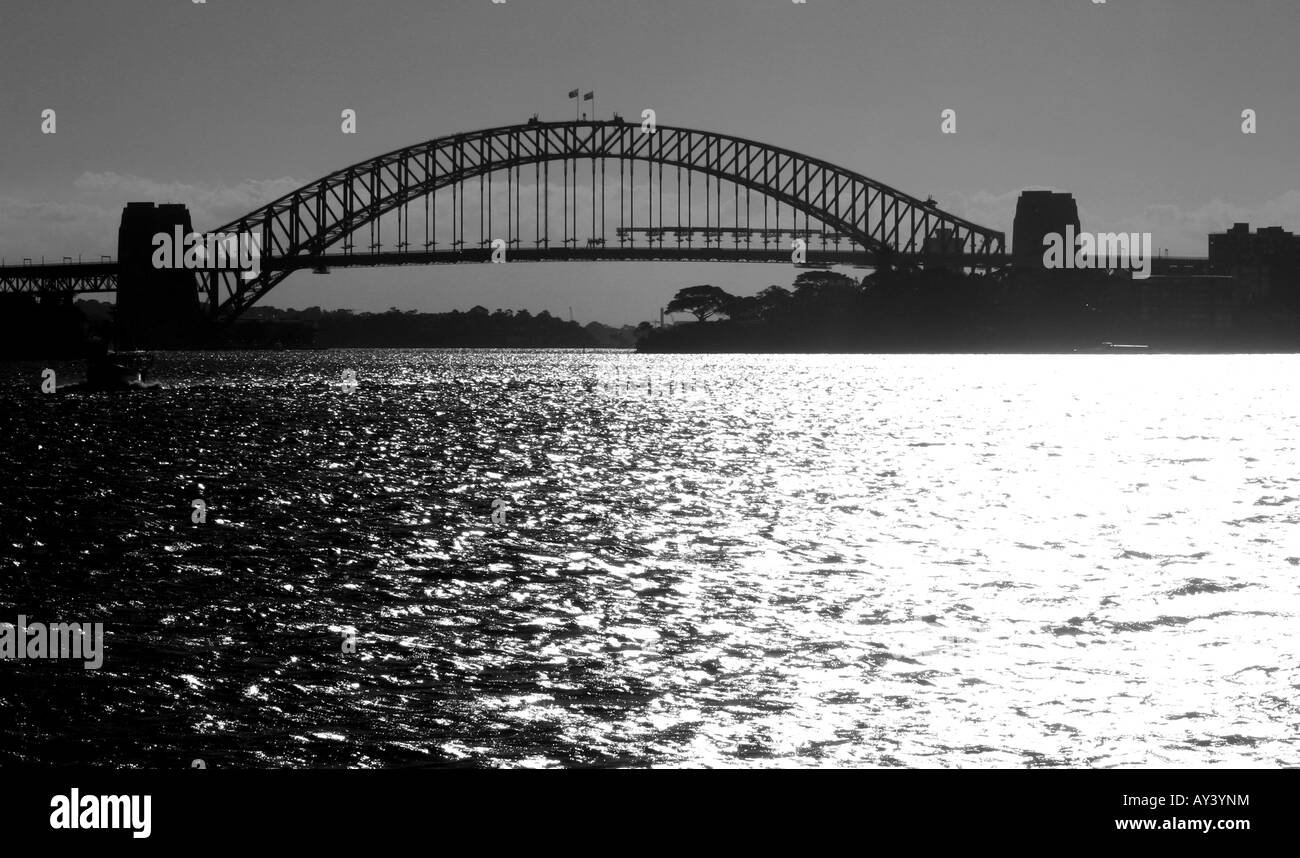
x,y
705,560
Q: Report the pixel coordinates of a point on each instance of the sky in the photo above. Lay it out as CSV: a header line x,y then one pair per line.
x,y
1135,106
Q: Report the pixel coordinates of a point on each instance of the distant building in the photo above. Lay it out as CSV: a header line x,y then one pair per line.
x,y
1262,261
1238,248
1039,213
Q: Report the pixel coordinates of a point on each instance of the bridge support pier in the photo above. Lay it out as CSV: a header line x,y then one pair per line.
x,y
156,307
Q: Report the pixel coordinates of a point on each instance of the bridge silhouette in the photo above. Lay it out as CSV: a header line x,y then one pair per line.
x,y
679,194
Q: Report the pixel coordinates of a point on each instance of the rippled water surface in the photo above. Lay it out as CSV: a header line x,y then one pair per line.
x,y
704,560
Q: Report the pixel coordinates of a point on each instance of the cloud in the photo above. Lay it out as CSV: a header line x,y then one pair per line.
x,y
88,226
1186,230
209,206
54,229
995,211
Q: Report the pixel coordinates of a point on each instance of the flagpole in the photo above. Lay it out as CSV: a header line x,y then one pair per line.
x,y
577,106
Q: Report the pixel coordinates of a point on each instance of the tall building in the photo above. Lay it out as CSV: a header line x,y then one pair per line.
x,y
1238,248
1262,261
1037,214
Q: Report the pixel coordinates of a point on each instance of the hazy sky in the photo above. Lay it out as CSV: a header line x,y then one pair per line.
x,y
1134,106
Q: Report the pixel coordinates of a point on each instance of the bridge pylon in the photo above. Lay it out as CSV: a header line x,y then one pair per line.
x,y
156,307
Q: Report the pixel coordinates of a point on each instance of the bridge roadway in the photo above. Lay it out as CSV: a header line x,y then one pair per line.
x,y
101,277
59,277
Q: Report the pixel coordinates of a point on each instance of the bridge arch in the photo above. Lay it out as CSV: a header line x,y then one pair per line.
x,y
302,224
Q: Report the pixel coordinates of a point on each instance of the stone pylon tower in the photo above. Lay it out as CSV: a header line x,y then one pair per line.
x,y
156,307
1037,214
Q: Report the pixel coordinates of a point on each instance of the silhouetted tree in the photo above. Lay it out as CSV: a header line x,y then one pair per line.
x,y
700,301
816,285
744,308
773,301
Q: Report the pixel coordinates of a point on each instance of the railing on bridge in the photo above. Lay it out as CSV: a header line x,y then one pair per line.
x,y
738,235
65,277
660,245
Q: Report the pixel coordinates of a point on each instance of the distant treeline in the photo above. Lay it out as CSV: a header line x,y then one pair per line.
x,y
30,328
890,310
946,311
477,328
53,329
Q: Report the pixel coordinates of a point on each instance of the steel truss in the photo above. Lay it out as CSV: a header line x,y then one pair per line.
x,y
304,223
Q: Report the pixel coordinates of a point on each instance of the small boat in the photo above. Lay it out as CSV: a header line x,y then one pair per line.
x,y
116,371
1115,348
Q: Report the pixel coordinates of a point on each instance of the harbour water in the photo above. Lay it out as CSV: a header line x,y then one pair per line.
x,y
546,558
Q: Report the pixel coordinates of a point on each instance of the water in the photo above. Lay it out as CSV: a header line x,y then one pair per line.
x,y
783,560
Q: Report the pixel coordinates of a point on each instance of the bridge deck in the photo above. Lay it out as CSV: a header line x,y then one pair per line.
x,y
101,277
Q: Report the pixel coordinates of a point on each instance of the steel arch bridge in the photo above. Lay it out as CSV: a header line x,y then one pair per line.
x,y
402,186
